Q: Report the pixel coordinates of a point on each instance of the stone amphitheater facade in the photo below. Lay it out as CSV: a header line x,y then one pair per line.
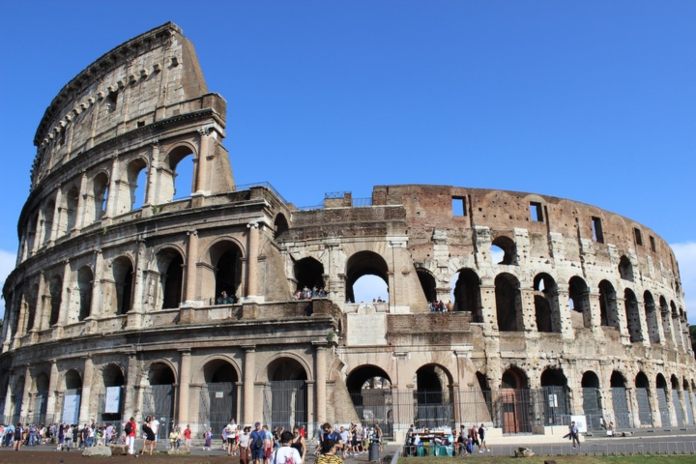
x,y
556,308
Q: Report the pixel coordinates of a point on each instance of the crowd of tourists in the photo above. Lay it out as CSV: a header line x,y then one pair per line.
x,y
464,442
307,293
436,306
64,436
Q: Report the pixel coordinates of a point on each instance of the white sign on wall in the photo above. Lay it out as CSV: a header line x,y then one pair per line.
x,y
113,400
580,423
71,408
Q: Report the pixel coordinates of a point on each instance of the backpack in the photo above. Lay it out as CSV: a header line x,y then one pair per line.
x,y
129,428
256,441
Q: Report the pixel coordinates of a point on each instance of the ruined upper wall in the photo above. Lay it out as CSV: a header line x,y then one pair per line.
x,y
127,88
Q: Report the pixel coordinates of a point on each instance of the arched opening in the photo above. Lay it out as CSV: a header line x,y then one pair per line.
x,y
666,321
504,251
433,397
309,274
170,265
546,307
85,281
554,386
123,283
591,400
280,226
71,397
285,396
467,293
226,258
619,398
642,398
428,285
479,414
32,299
626,268
651,317
579,303
32,231
137,183
515,405
370,390
55,289
101,195
508,303
360,265
48,212
17,399
607,305
71,201
676,326
662,399
111,402
218,398
41,399
632,316
179,181
677,402
158,396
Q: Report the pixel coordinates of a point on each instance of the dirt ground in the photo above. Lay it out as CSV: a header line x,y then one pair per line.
x,y
74,457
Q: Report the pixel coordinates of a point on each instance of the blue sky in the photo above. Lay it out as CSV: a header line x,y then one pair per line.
x,y
594,100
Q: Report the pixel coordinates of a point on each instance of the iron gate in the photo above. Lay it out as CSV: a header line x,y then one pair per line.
x,y
644,413
158,401
433,409
662,407
218,404
375,406
556,405
622,414
515,408
40,405
689,410
592,405
285,403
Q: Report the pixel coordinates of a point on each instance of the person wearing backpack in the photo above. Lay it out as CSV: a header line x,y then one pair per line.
x,y
286,454
256,441
130,430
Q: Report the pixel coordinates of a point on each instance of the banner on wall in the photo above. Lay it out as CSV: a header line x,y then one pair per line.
x,y
113,400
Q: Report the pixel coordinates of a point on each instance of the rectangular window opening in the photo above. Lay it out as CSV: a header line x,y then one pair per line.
x,y
458,206
653,246
112,100
536,213
638,235
597,234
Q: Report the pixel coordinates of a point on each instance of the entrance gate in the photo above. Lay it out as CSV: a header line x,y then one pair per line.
x,y
515,410
592,405
285,403
432,409
375,406
677,408
218,404
621,412
158,401
644,413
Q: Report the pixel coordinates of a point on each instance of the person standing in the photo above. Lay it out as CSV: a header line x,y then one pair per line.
x,y
18,438
155,425
244,439
130,430
149,443
482,439
256,442
187,437
574,434
286,454
328,453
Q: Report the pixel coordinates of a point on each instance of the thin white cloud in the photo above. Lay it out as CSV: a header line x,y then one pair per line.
x,y
686,256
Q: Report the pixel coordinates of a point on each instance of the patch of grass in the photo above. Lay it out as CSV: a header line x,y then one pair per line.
x,y
646,459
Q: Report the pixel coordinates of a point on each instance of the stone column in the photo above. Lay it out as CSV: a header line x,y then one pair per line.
x,y
191,274
595,314
202,173
81,198
43,313
252,260
7,412
111,202
249,371
567,331
26,395
130,402
52,393
97,309
670,405
320,377
87,378
152,177
184,382
64,315
654,406
134,315
56,227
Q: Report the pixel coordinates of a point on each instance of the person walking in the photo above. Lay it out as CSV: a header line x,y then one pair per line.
x,y
244,439
130,429
328,453
149,443
482,439
286,454
256,443
574,434
187,437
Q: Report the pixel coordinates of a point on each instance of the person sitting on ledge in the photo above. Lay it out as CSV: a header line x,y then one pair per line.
x,y
224,298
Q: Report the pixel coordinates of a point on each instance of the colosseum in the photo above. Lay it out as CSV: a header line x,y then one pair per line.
x,y
211,300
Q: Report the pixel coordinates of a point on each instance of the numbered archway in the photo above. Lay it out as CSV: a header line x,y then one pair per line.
x,y
285,394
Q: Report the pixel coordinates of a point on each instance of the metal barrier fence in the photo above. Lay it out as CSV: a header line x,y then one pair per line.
x,y
610,448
